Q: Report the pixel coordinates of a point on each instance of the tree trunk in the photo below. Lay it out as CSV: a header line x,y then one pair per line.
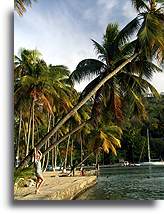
x,y
96,158
86,157
66,155
18,140
72,154
78,106
63,138
25,132
48,143
53,151
56,155
29,132
81,146
33,125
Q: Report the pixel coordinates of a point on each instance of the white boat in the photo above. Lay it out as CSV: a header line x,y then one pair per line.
x,y
150,162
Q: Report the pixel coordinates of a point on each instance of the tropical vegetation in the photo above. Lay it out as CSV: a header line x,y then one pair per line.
x,y
110,115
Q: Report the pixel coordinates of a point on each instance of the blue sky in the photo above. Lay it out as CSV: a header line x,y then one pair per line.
x,y
62,29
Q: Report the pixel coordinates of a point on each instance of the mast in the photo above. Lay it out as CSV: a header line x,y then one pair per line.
x,y
148,145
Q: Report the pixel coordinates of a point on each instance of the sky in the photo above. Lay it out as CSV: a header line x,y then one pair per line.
x,y
62,30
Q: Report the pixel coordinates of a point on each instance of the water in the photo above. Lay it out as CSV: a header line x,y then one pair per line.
x,y
128,183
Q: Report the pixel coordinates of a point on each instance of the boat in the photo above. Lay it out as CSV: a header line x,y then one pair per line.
x,y
150,162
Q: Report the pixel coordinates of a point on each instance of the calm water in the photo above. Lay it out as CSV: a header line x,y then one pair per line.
x,y
124,183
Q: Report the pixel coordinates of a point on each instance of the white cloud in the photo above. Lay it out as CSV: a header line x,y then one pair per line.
x,y
100,12
158,81
61,41
60,37
108,5
128,11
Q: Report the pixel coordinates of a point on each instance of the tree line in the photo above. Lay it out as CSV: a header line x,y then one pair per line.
x,y
52,116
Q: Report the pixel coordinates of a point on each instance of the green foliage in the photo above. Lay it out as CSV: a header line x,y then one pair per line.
x,y
27,172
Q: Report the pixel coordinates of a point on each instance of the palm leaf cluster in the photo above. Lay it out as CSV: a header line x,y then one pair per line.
x,y
106,138
42,94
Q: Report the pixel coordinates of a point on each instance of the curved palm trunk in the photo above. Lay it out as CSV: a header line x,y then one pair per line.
x,y
83,101
78,106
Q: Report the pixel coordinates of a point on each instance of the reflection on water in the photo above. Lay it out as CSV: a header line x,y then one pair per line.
x,y
125,183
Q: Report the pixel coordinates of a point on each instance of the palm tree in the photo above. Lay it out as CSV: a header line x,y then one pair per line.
x,y
120,87
30,79
39,88
106,137
154,47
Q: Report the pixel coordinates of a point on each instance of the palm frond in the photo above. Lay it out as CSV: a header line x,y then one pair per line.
x,y
139,108
100,50
87,69
150,34
139,5
110,34
127,32
89,87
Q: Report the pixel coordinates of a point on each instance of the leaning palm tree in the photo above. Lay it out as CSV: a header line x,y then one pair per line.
x,y
149,42
129,83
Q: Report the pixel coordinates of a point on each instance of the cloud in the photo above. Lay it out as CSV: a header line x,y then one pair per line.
x,y
100,13
128,11
60,40
61,30
107,5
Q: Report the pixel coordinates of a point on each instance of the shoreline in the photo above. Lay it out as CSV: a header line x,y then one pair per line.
x,y
57,188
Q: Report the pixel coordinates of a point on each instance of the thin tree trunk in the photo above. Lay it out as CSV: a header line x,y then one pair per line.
x,y
33,125
53,152
96,159
86,157
18,140
72,154
56,155
63,138
66,155
81,147
44,157
29,133
25,132
78,106
48,143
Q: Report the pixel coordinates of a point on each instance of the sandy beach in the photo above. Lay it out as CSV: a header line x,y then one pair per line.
x,y
56,188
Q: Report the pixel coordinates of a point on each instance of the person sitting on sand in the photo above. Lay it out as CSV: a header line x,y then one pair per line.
x,y
38,170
